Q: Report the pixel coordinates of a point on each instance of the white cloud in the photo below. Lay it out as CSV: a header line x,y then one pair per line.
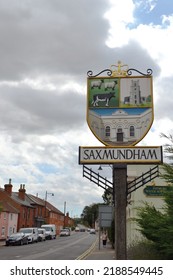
x,y
47,47
119,16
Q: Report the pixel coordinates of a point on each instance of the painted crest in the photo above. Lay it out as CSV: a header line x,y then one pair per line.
x,y
120,106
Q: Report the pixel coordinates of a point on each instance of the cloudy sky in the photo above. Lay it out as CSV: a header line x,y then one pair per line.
x,y
46,49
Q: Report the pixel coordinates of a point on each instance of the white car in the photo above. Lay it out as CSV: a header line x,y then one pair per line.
x,y
92,231
31,233
65,232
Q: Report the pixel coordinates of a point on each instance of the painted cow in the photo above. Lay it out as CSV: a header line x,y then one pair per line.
x,y
102,97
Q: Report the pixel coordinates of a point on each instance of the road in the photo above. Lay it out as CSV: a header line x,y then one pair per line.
x,y
62,248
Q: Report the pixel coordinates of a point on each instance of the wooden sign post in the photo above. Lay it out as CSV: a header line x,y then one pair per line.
x,y
120,200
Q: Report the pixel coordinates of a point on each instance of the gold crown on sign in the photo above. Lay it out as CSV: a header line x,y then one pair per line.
x,y
119,69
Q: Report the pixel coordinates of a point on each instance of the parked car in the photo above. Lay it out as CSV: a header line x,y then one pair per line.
x,y
18,238
64,232
31,233
50,231
92,231
41,234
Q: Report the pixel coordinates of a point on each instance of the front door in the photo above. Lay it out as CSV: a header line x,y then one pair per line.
x,y
119,135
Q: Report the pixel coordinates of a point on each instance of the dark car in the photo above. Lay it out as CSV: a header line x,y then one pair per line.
x,y
18,238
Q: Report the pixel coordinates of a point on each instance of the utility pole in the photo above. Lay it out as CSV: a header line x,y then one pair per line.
x,y
64,212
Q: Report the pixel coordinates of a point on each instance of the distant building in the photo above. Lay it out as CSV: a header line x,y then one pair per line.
x,y
19,209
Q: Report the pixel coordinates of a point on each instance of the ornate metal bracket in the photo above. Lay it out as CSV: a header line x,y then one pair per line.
x,y
130,71
90,73
119,70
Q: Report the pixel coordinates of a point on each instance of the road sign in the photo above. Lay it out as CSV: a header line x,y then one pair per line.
x,y
105,215
111,155
156,190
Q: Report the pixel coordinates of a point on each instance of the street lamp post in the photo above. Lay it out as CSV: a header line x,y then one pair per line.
x,y
110,166
46,194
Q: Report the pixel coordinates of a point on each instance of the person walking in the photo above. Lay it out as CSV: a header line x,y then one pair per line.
x,y
104,238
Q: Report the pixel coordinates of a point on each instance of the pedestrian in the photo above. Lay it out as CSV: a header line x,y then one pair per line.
x,y
104,238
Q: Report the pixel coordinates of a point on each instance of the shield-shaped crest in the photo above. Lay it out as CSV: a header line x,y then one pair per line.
x,y
120,109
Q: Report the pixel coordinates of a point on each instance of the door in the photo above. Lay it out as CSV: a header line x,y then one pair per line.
x,y
120,135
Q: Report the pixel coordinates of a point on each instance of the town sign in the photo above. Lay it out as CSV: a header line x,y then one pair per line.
x,y
120,107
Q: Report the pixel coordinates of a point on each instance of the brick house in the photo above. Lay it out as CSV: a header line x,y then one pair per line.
x,y
8,219
31,210
46,213
68,222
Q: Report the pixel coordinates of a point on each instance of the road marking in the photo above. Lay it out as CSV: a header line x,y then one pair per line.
x,y
89,251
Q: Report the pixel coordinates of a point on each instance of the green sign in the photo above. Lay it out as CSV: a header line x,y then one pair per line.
x,y
156,190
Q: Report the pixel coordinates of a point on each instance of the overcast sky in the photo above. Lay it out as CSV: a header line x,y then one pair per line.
x,y
46,49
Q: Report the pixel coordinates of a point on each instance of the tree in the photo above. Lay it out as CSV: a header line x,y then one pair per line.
x,y
90,214
157,226
108,196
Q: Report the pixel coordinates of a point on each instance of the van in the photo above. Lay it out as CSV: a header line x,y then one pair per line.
x,y
50,231
41,234
31,233
77,229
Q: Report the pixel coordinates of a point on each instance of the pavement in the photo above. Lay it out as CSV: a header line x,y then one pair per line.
x,y
98,252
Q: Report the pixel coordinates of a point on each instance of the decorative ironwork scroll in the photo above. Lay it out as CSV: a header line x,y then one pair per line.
x,y
90,73
130,71
119,70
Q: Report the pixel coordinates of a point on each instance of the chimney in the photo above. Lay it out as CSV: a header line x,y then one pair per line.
x,y
8,187
21,193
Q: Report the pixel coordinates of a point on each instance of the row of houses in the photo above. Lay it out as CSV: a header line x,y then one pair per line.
x,y
19,209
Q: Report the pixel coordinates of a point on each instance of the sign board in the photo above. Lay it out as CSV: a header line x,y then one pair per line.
x,y
156,190
105,215
111,155
120,108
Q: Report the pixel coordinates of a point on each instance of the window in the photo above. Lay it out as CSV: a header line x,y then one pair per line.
x,y
23,213
28,214
107,131
132,131
119,130
3,231
10,230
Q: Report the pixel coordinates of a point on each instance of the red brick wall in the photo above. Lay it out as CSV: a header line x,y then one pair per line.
x,y
26,216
